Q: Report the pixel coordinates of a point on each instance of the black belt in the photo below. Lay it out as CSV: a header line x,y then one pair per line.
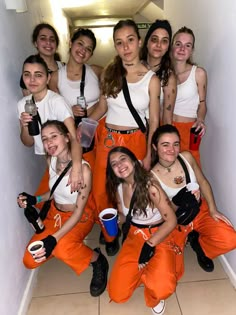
x,y
145,226
123,132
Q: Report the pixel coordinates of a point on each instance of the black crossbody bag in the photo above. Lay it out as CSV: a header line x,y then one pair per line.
x,y
190,207
131,107
47,204
126,225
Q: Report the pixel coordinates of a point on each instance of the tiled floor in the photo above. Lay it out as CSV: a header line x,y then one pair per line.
x,y
60,292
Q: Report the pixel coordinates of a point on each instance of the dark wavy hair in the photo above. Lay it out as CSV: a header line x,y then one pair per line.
x,y
41,26
165,68
185,30
84,32
156,137
142,181
112,81
36,59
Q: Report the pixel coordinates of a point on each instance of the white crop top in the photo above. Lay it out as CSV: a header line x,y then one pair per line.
x,y
70,90
118,112
52,107
170,191
187,99
62,193
153,215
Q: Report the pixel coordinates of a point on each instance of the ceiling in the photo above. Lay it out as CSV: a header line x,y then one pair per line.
x,y
79,10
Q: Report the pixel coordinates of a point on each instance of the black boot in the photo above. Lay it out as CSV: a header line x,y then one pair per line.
x,y
204,262
100,270
112,247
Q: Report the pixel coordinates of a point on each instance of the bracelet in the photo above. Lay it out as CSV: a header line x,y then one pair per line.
x,y
39,199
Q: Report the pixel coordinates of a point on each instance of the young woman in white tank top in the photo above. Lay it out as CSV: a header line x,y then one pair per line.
x,y
190,106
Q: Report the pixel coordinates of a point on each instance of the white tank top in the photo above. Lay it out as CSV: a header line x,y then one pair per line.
x,y
70,90
118,112
153,215
62,193
187,99
170,191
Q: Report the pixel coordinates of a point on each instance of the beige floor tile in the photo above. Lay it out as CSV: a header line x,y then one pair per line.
x,y
94,234
55,277
215,297
193,272
135,306
70,304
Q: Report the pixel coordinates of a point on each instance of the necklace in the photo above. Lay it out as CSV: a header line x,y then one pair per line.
x,y
168,168
151,67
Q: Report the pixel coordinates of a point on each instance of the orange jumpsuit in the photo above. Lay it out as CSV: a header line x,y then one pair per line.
x,y
135,141
184,130
70,248
159,276
215,238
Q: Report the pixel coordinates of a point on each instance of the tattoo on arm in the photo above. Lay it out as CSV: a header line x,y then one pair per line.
x,y
168,107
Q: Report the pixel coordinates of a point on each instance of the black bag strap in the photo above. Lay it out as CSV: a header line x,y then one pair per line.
x,y
131,107
82,82
181,161
60,178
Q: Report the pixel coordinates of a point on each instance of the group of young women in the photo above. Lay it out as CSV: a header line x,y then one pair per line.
x,y
134,162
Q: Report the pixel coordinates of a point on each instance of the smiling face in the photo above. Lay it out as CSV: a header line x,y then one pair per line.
x,y
168,147
35,78
158,43
82,49
182,48
55,142
122,165
127,44
46,43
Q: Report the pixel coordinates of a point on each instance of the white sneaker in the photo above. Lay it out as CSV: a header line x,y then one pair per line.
x,y
159,309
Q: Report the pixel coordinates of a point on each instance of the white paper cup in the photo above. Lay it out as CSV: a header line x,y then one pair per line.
x,y
192,186
35,247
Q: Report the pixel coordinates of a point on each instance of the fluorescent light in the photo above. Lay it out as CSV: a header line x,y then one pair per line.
x,y
74,3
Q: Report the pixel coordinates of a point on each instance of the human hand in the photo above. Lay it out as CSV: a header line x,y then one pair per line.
x,y
200,125
30,199
146,254
216,215
76,180
25,118
49,244
78,110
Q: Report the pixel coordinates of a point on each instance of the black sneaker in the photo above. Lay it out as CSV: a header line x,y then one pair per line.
x,y
100,270
113,247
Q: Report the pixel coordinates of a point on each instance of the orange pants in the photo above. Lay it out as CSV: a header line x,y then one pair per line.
x,y
159,276
184,130
215,238
136,142
70,248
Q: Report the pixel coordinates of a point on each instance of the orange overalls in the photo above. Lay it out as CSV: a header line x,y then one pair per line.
x,y
184,130
215,238
70,248
159,276
105,141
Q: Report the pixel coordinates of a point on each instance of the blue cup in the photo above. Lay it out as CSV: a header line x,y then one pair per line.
x,y
109,220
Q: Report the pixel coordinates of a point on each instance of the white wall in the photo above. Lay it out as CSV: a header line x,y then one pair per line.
x,y
214,24
20,169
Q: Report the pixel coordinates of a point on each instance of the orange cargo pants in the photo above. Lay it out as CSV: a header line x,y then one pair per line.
x,y
136,142
184,130
215,238
70,248
159,276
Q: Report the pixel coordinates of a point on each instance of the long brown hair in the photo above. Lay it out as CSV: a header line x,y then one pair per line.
x,y
111,83
142,181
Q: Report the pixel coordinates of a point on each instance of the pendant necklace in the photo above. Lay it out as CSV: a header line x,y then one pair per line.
x,y
177,179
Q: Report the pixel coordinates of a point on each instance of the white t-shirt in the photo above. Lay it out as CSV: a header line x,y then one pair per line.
x,y
52,107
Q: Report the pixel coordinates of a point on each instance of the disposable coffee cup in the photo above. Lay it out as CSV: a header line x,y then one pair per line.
x,y
109,220
35,247
192,186
88,129
195,139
